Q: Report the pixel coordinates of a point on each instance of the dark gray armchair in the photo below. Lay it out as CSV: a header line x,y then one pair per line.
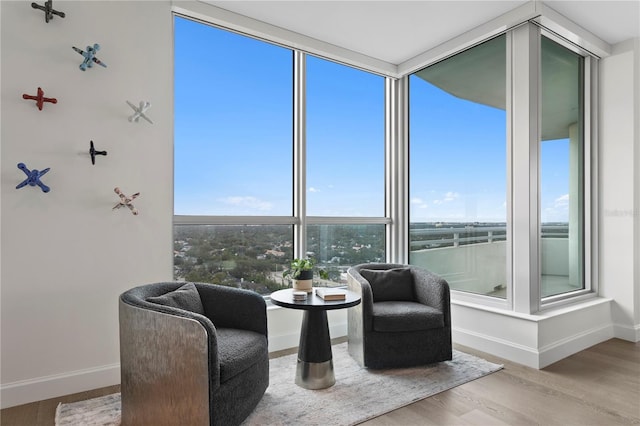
x,y
193,354
404,319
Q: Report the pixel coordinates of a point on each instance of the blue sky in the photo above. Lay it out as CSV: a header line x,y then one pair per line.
x,y
234,132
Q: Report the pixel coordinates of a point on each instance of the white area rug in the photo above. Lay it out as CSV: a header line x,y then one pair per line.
x,y
358,395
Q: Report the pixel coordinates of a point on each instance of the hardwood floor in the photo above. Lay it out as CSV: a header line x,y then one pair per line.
x,y
598,386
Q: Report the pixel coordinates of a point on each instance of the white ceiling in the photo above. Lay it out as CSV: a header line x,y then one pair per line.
x,y
395,31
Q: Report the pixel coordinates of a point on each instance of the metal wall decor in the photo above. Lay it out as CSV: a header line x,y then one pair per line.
x,y
93,152
33,177
125,201
139,111
89,57
48,10
39,98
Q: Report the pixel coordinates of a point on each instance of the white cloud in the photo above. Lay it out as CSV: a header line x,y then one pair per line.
x,y
312,189
248,202
419,203
556,211
561,201
449,196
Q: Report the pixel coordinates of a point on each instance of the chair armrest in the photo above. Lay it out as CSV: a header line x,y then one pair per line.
x,y
432,290
358,284
150,337
231,307
136,297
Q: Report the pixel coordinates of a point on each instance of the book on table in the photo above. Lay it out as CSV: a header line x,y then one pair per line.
x,y
331,293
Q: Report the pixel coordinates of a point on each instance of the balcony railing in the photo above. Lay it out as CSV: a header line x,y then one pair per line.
x,y
425,238
473,258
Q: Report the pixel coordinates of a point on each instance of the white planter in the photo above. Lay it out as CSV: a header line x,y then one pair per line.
x,y
303,285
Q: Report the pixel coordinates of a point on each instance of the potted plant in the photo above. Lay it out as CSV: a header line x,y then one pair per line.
x,y
301,272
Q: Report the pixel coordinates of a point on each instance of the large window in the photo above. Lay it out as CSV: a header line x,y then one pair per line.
x,y
458,169
280,154
240,158
345,140
499,169
233,124
561,171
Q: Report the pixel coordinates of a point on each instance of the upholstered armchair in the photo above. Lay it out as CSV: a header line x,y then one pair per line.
x,y
404,319
191,354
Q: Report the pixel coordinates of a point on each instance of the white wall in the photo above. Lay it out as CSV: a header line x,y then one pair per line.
x,y
66,256
620,186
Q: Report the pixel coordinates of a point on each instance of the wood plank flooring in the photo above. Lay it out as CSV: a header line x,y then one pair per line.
x,y
598,386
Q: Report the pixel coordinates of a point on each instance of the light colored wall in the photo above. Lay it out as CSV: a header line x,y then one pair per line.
x,y
66,256
619,186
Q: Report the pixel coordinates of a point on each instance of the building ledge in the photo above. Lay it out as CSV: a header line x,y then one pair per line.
x,y
582,303
534,340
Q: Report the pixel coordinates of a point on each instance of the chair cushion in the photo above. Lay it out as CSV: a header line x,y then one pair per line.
x,y
185,297
390,284
238,350
405,316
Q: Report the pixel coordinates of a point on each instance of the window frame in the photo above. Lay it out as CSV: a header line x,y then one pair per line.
x,y
523,174
589,105
396,217
299,220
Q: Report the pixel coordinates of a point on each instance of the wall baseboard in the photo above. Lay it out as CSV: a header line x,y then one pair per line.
x,y
627,332
41,388
573,344
537,358
495,346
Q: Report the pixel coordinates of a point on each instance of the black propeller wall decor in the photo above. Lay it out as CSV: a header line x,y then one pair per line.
x,y
93,152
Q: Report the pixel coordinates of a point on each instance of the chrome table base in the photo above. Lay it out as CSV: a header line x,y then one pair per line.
x,y
315,375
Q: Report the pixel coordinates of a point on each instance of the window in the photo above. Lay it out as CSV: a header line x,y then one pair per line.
x,y
282,154
561,171
458,169
233,149
339,246
345,167
499,170
250,256
239,219
345,140
233,124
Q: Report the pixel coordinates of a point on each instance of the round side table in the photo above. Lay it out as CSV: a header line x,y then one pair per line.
x,y
315,359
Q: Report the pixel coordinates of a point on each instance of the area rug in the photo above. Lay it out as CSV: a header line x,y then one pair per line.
x,y
358,395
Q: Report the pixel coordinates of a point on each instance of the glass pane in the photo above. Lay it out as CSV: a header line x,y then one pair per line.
x,y
338,247
345,141
561,171
233,124
458,174
242,256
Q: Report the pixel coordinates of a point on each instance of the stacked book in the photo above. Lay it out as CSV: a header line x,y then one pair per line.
x,y
299,296
331,293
